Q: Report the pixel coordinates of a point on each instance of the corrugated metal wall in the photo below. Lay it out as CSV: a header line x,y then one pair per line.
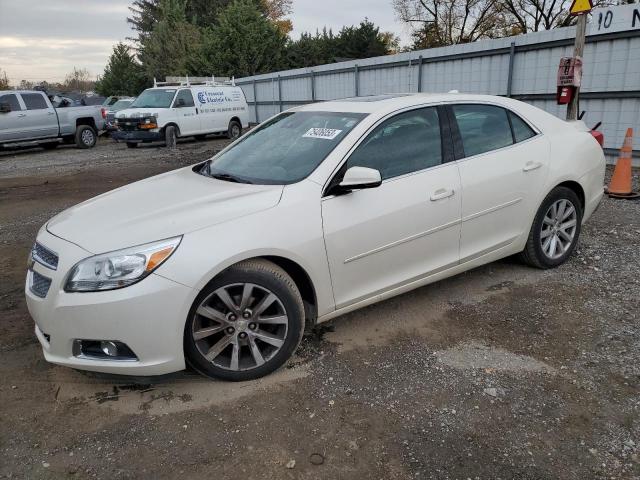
x,y
523,67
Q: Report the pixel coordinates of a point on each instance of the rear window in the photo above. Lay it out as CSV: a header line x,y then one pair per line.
x,y
521,131
34,101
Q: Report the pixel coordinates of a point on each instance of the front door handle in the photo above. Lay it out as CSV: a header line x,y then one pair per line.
x,y
442,193
51,113
529,166
22,115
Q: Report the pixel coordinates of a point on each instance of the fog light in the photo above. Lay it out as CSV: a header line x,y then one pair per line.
x,y
103,350
109,348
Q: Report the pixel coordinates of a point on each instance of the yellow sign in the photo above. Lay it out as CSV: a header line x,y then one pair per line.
x,y
580,6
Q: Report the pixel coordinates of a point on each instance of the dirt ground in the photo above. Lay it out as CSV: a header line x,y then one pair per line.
x,y
499,373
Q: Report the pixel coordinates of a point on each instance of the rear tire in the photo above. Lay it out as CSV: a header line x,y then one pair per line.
x,y
85,136
171,136
235,130
132,144
252,324
555,231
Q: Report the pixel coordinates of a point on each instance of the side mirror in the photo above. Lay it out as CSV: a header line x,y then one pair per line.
x,y
180,103
5,107
358,178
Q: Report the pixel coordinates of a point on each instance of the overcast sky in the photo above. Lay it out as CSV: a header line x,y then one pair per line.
x,y
45,39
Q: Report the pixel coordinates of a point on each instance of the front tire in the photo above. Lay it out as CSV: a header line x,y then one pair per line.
x,y
244,324
85,136
235,130
171,136
555,230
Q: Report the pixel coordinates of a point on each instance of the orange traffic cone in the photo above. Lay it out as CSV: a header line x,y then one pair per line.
x,y
620,185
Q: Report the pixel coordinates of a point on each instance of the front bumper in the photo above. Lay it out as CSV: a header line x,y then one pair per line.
x,y
137,136
148,316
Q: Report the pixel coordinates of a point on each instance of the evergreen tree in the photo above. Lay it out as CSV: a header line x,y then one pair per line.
x,y
242,43
169,48
123,75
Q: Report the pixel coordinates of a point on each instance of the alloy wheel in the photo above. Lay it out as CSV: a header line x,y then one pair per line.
x,y
240,326
87,137
558,229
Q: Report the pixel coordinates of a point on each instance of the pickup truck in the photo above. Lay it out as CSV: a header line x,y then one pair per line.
x,y
29,116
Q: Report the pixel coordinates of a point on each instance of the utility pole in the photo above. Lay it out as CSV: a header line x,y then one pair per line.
x,y
581,33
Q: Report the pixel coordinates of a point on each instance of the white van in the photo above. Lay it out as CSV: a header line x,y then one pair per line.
x,y
175,110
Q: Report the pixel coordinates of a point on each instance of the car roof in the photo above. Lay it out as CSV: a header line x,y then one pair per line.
x,y
391,102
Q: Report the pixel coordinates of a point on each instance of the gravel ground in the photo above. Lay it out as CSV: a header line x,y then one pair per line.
x,y
502,372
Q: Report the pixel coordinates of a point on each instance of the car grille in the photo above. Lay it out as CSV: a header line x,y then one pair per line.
x,y
44,256
128,124
39,284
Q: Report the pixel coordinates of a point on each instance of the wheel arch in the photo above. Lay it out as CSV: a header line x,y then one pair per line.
x,y
297,272
171,124
577,189
237,119
86,121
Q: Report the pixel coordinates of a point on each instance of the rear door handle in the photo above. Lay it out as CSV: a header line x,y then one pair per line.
x,y
441,194
22,115
51,113
529,166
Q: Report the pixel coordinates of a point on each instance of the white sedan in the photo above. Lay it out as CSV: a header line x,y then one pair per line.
x,y
319,211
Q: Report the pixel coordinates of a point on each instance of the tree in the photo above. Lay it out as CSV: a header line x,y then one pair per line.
x,y
448,22
79,79
242,43
276,11
26,85
169,48
123,75
535,15
4,80
363,41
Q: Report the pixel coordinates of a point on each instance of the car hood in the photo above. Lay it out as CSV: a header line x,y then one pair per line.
x,y
159,207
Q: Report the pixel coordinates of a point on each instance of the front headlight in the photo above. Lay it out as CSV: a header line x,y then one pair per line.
x,y
120,268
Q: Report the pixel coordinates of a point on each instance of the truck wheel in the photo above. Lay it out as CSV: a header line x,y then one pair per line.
x,y
85,136
49,145
171,136
132,144
246,323
235,130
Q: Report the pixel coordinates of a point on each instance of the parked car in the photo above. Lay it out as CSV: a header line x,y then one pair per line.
x,y
168,112
28,116
319,211
109,113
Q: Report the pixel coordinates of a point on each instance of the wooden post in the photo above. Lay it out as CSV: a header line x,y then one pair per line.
x,y
581,32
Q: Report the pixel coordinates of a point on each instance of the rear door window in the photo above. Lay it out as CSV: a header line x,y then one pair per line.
x,y
483,128
34,101
12,100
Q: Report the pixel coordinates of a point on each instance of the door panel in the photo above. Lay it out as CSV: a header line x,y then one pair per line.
x,y
12,124
41,120
501,183
384,237
188,114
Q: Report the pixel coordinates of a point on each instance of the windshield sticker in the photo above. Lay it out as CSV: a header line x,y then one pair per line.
x,y
325,133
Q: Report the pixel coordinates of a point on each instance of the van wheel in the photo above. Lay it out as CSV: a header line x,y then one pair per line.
x,y
85,136
132,144
235,130
555,231
246,323
171,136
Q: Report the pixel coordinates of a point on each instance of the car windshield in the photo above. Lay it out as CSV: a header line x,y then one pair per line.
x,y
283,150
155,98
121,104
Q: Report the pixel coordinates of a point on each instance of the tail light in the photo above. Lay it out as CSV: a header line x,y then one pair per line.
x,y
599,136
103,111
